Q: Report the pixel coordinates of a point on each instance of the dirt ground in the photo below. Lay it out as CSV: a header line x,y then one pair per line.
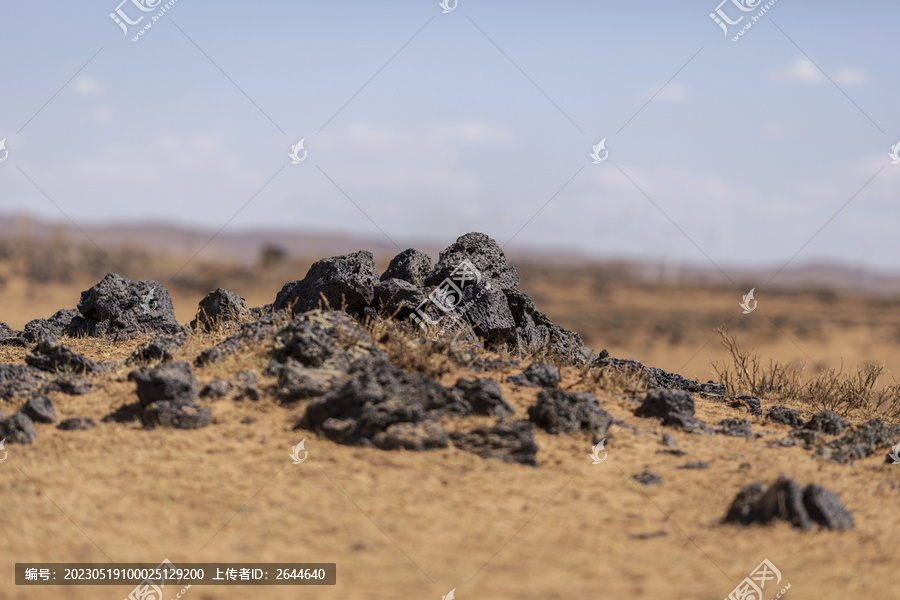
x,y
416,525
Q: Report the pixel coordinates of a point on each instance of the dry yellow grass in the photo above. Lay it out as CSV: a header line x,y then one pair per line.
x,y
415,525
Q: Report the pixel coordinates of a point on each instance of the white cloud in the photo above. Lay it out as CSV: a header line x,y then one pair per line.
x,y
86,86
803,70
102,116
673,92
850,76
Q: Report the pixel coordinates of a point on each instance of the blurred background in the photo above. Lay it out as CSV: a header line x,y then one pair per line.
x,y
758,163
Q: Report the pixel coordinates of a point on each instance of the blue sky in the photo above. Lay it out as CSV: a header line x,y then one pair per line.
x,y
425,125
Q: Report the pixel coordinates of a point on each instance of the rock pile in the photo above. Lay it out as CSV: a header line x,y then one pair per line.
x,y
785,500
119,309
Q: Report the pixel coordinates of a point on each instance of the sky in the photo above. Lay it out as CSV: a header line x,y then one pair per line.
x,y
423,124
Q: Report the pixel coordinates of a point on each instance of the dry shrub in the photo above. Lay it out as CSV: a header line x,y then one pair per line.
x,y
846,393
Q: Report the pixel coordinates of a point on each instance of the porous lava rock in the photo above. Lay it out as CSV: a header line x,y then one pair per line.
x,y
785,416
248,336
541,375
344,282
397,298
484,397
18,429
410,266
381,405
162,348
49,356
828,422
120,308
673,407
167,396
785,500
52,328
860,442
557,411
484,254
220,308
77,424
40,410
509,441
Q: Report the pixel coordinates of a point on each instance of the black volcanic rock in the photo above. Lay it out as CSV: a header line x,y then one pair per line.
x,y
785,416
162,348
18,429
484,396
828,422
49,356
785,500
249,335
77,424
11,337
53,328
535,332
487,310
507,441
220,308
536,375
122,309
735,428
673,407
40,410
557,411
381,405
859,442
486,256
346,282
824,507
168,396
411,266
396,297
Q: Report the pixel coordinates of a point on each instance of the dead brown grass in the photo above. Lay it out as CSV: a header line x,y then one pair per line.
x,y
405,524
853,393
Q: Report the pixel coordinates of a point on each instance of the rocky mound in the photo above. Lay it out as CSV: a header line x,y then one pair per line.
x,y
328,336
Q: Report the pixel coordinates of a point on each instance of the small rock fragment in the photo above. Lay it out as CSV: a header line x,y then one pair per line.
x,y
508,441
536,375
77,424
40,410
49,356
648,478
558,411
18,429
220,308
484,396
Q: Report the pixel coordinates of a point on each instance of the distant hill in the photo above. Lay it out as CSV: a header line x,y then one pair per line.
x,y
246,245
